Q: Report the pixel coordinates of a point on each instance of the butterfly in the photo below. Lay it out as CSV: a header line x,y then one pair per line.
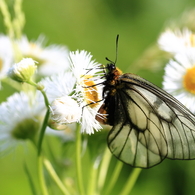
x,y
148,124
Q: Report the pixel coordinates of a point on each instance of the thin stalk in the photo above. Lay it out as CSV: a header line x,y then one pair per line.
x,y
10,28
19,19
7,19
131,181
78,161
114,177
55,177
103,169
41,89
39,146
41,176
43,131
45,122
93,178
45,98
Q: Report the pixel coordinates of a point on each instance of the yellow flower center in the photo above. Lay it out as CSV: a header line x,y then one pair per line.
x,y
90,91
189,80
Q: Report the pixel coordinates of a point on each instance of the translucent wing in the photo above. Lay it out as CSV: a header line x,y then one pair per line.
x,y
149,125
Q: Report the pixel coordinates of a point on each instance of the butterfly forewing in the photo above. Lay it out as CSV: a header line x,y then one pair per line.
x,y
149,124
130,140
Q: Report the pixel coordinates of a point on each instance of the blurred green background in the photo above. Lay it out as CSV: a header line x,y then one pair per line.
x,y
92,25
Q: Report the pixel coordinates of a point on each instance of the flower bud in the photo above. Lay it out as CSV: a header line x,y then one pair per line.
x,y
23,71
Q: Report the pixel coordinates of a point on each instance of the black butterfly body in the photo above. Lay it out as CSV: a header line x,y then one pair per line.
x,y
149,124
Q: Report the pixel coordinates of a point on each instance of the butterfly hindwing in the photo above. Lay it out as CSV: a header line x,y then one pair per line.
x,y
150,125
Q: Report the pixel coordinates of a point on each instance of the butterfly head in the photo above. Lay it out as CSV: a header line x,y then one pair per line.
x,y
112,71
111,67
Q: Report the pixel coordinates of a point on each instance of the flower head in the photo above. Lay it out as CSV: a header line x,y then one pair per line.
x,y
65,110
51,60
88,90
177,41
179,78
75,95
19,120
23,71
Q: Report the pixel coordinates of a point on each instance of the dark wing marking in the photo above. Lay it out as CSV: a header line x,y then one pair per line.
x,y
151,126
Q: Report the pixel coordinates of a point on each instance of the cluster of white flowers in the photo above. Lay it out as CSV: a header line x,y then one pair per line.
x,y
70,84
179,78
71,96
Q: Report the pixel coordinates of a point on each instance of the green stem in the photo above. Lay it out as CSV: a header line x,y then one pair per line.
x,y
39,146
93,178
55,177
78,161
43,131
40,88
131,181
104,169
40,141
45,122
114,177
31,82
41,176
45,98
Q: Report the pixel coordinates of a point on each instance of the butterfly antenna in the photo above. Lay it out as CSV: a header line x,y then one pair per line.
x,y
117,38
109,60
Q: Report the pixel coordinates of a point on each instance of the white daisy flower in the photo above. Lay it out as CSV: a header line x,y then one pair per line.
x,y
65,110
179,78
89,93
52,59
23,71
176,41
86,93
6,55
60,92
19,120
